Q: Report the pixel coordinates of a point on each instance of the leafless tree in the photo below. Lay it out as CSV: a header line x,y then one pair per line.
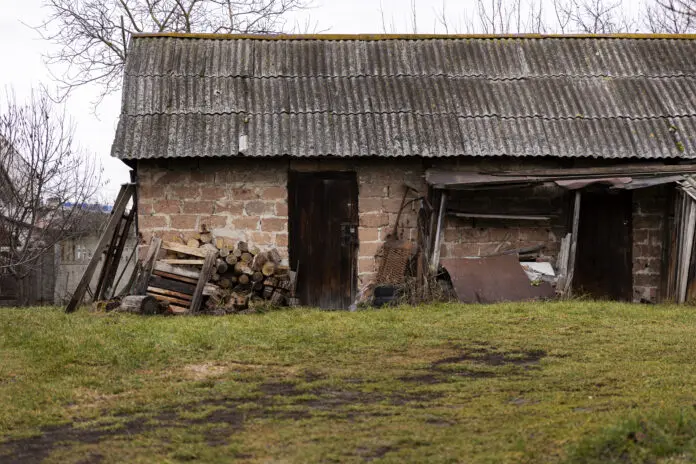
x,y
671,16
592,16
92,36
41,170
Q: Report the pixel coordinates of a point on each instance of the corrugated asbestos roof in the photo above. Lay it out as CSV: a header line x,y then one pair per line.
x,y
608,97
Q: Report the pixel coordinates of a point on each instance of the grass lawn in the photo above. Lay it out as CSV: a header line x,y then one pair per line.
x,y
556,382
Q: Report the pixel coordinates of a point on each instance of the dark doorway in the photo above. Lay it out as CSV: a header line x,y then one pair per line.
x,y
604,262
323,210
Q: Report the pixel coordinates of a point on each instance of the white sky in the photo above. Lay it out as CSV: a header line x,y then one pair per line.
x,y
21,64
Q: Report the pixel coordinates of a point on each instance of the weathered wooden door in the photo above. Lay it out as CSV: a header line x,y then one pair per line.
x,y
604,263
323,210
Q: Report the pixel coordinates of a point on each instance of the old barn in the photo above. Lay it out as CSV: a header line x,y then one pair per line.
x,y
573,150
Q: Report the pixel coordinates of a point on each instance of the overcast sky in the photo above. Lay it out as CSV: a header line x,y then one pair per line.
x,y
22,66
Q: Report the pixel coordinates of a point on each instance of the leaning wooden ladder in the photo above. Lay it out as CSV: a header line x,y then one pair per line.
x,y
111,244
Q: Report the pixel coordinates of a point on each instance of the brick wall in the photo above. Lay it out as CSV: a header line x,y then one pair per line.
x,y
466,237
238,199
380,191
243,199
246,199
648,236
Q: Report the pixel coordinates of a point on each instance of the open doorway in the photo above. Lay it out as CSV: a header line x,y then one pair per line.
x,y
604,261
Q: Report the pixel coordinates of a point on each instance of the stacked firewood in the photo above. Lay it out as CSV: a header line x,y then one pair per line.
x,y
244,275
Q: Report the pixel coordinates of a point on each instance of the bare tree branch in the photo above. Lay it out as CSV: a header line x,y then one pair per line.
x,y
92,36
42,172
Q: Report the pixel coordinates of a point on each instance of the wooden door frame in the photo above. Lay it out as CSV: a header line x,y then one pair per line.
x,y
294,176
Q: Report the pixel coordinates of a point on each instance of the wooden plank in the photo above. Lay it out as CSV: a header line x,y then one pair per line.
x,y
174,309
148,265
685,258
573,243
107,290
173,285
122,200
187,250
165,292
499,216
186,262
170,299
206,273
435,260
180,271
626,170
175,277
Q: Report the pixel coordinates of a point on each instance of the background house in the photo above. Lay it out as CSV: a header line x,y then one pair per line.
x,y
305,142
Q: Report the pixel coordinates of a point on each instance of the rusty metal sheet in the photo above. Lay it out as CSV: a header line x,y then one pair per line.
x,y
493,280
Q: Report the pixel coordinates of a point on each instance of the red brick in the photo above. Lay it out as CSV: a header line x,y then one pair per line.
x,y
281,209
275,193
167,207
370,205
641,237
261,238
368,234
258,208
366,265
244,194
281,240
232,208
213,222
463,250
145,206
369,249
392,205
374,220
274,224
453,235
503,234
184,221
647,251
472,235
213,193
646,280
444,251
373,189
184,192
152,222
245,223
150,191
199,207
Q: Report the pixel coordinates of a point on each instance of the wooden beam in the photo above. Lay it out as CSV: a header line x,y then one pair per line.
x,y
685,258
167,275
122,200
206,273
435,260
148,265
187,250
186,262
511,217
173,285
627,170
171,293
180,271
169,299
573,244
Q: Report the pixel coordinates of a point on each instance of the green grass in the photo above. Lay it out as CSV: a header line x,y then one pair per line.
x,y
558,382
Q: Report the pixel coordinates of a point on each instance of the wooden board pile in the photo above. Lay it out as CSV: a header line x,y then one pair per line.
x,y
234,279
